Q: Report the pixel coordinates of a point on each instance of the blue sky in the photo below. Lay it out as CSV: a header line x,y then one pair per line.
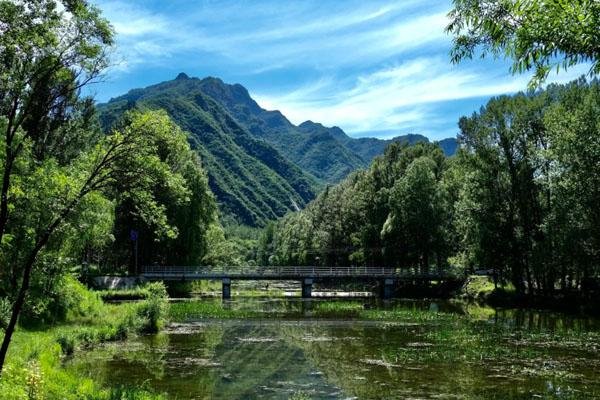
x,y
374,68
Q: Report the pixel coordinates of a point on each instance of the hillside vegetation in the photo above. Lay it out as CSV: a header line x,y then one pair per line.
x,y
252,180
260,165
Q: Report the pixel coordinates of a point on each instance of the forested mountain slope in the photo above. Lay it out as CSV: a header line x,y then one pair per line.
x,y
260,165
318,153
252,181
327,153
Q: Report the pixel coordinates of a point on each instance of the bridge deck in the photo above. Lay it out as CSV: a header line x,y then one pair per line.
x,y
282,273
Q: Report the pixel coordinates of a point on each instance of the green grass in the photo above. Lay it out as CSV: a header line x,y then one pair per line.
x,y
481,287
33,368
138,293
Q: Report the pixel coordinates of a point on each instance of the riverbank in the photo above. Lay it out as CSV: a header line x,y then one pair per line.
x,y
34,364
482,290
295,348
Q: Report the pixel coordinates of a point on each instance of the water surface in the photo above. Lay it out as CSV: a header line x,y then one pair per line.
x,y
447,350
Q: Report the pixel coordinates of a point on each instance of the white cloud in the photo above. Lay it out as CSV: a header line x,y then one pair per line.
x,y
398,98
264,38
377,66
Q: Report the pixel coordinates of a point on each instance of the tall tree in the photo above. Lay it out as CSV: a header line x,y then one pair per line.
x,y
175,183
49,50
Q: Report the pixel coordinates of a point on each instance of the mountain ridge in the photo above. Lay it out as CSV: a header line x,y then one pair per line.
x,y
328,154
251,180
260,165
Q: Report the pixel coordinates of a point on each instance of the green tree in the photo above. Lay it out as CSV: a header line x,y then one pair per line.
x,y
173,187
538,35
573,126
526,205
49,50
412,231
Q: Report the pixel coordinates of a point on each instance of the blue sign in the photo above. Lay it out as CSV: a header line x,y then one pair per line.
x,y
133,235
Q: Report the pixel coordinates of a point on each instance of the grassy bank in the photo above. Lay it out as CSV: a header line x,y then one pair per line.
x,y
138,293
482,289
33,369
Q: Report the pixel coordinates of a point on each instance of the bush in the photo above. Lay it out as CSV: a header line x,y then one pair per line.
x,y
67,343
179,289
65,298
154,309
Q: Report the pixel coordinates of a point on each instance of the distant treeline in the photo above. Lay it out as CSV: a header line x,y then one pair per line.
x,y
521,198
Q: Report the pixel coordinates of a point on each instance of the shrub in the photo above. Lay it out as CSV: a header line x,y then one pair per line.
x,y
67,343
154,309
65,298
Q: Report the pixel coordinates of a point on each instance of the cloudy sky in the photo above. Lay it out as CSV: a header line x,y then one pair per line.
x,y
374,68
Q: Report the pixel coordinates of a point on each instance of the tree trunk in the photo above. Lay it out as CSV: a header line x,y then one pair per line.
x,y
28,268
20,300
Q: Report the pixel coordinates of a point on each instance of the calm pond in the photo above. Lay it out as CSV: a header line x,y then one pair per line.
x,y
291,348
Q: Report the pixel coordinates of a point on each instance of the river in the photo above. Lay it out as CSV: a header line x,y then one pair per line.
x,y
314,349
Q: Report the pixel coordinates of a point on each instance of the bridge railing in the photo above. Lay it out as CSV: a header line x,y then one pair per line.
x,y
282,271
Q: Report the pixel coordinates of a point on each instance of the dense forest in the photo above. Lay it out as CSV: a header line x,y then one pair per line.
x,y
520,198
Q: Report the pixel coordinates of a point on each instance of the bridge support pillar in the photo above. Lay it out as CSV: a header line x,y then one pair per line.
x,y
387,289
307,288
226,288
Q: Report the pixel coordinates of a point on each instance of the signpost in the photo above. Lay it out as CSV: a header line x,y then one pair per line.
x,y
133,235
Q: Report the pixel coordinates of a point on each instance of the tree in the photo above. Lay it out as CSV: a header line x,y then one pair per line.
x,y
527,204
174,183
573,126
539,34
55,194
49,50
412,229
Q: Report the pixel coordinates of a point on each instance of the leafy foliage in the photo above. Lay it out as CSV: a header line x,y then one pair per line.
x,y
154,309
526,212
538,35
390,214
519,199
170,206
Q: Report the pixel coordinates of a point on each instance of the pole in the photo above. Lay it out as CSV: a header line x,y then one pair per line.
x,y
137,271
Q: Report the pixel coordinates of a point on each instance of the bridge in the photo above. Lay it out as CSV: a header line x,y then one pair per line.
x,y
307,275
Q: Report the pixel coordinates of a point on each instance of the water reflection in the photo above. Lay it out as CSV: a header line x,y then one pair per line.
x,y
492,354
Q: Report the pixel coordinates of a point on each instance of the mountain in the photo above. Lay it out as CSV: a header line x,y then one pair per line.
x,y
318,153
366,148
327,153
449,145
252,181
260,165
